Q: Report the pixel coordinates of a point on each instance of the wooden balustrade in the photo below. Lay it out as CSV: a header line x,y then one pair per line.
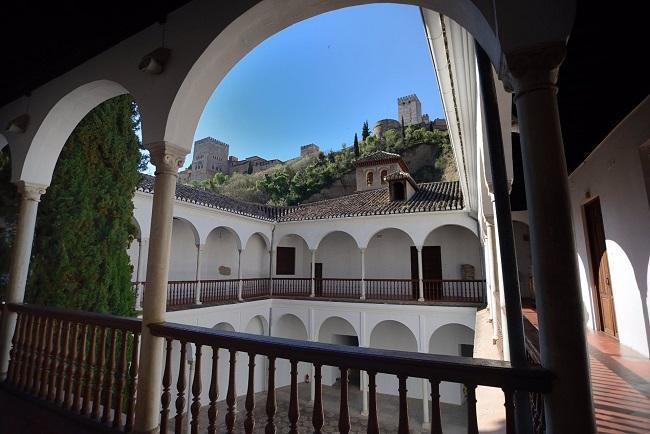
x,y
338,288
468,291
292,286
213,291
258,287
85,363
181,292
434,368
392,289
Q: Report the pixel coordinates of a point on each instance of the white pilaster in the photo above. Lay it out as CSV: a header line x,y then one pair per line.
x,y
199,265
240,288
313,273
420,274
363,273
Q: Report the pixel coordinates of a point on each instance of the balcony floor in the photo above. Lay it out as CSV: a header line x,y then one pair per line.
x,y
620,379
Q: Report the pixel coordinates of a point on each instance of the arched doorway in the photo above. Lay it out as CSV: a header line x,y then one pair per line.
x,y
452,340
336,330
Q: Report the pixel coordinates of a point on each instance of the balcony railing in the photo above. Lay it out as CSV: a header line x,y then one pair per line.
x,y
86,364
184,292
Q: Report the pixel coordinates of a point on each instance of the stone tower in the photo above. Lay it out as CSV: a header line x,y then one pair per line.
x,y
409,110
210,156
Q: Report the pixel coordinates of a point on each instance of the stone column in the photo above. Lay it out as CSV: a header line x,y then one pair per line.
x,y
363,273
569,406
240,289
313,273
168,159
426,419
199,264
30,196
420,274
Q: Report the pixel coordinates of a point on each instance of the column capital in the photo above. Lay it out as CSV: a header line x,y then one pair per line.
x,y
167,158
536,68
362,249
30,191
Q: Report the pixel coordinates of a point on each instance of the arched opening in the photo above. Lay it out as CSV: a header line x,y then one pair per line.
x,y
452,340
337,257
255,257
221,255
384,174
258,325
293,257
336,330
369,179
292,327
185,239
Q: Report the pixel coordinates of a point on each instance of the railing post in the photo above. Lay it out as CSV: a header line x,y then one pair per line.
x,y
313,273
30,196
420,274
199,257
363,273
168,159
240,287
569,405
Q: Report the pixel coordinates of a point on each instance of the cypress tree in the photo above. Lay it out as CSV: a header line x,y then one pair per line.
x,y
365,131
84,224
356,146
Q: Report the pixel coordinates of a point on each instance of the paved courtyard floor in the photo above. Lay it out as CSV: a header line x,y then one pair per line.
x,y
453,416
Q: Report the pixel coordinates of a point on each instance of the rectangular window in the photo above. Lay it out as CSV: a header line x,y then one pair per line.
x,y
285,261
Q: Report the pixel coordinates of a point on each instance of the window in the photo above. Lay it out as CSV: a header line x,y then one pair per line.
x,y
285,260
398,190
384,174
369,179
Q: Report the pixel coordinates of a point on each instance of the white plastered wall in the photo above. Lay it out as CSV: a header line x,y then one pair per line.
x,y
457,246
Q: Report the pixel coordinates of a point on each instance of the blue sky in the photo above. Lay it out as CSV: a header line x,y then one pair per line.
x,y
318,80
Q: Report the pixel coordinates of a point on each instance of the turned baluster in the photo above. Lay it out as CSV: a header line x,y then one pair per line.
x,y
249,423
45,360
318,417
99,374
54,362
90,361
71,371
133,382
510,411
472,424
403,427
121,383
166,397
16,350
344,412
37,357
294,411
26,352
61,380
213,395
270,399
231,401
436,423
81,374
180,395
196,391
373,422
108,384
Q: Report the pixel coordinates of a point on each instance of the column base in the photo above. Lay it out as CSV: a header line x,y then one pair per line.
x,y
421,299
426,426
364,413
155,430
363,297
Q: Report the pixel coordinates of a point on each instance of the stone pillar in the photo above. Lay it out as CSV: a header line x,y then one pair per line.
x,y
240,289
420,274
30,196
364,393
426,420
199,264
313,274
569,406
363,273
168,159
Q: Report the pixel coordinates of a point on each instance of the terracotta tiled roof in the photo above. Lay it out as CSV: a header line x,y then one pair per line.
x,y
399,175
379,157
431,196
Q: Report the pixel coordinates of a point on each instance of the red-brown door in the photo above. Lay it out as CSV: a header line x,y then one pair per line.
x,y
600,267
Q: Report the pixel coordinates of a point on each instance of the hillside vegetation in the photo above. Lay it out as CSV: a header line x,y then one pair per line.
x,y
296,180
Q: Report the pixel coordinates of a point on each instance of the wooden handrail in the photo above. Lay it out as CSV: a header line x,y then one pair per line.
x,y
456,369
93,318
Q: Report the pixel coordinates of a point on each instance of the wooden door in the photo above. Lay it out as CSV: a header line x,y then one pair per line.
x,y
600,267
431,266
318,278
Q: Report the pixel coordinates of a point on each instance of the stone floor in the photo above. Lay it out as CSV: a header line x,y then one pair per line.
x,y
453,416
620,380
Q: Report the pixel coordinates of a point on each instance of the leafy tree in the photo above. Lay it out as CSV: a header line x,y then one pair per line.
x,y
84,225
8,211
356,146
365,131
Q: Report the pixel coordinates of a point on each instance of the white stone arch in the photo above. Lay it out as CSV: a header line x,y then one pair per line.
x,y
257,325
289,326
262,235
338,330
57,125
230,230
388,254
183,254
394,335
338,252
267,18
458,245
255,258
220,255
447,340
328,233
303,253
